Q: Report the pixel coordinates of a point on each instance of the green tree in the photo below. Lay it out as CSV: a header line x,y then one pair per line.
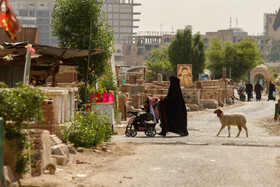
x,y
71,20
187,49
158,60
239,57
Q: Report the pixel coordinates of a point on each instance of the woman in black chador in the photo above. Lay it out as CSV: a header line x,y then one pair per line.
x,y
271,89
258,91
173,113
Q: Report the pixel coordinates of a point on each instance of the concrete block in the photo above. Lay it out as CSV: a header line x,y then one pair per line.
x,y
61,160
210,103
61,149
193,107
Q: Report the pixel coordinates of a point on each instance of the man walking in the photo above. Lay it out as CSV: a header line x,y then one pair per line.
x,y
249,90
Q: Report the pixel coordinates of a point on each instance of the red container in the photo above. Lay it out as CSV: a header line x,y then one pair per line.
x,y
95,97
111,97
104,97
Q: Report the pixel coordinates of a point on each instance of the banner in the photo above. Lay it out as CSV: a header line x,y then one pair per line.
x,y
184,73
8,19
203,77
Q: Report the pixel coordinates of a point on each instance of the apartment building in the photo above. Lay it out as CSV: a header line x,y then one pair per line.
x,y
37,13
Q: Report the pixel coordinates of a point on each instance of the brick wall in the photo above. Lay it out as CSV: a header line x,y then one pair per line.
x,y
48,118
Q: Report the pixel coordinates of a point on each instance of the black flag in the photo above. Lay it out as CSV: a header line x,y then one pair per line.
x,y
276,23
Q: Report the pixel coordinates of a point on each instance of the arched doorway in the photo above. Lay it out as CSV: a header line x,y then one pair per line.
x,y
260,77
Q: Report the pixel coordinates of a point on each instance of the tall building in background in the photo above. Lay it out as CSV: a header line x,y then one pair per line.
x,y
120,13
37,13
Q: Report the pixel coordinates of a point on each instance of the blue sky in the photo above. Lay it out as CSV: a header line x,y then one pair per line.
x,y
203,15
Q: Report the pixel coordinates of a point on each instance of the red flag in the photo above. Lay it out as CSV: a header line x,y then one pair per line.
x,y
8,19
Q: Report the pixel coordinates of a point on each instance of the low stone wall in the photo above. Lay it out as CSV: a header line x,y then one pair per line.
x,y
191,96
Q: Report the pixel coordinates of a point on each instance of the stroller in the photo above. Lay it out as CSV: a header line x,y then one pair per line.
x,y
241,94
141,121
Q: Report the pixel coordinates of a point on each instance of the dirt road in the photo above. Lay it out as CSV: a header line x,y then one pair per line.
x,y
201,159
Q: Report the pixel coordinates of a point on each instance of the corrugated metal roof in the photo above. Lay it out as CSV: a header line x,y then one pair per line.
x,y
62,53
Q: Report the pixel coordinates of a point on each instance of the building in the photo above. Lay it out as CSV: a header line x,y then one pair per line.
x,y
135,48
269,30
37,13
120,13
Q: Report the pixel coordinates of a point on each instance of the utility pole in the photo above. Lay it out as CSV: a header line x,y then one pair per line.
x,y
86,82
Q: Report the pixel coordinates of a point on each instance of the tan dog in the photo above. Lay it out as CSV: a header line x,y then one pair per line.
x,y
236,119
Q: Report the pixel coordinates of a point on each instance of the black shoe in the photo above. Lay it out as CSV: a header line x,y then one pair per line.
x,y
184,134
162,133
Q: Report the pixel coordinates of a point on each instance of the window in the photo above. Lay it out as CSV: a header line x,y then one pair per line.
x,y
44,35
43,21
31,13
23,13
43,14
116,16
44,41
126,8
44,27
125,23
126,16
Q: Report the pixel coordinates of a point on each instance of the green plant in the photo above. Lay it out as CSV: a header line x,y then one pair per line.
x,y
186,48
88,129
20,106
82,25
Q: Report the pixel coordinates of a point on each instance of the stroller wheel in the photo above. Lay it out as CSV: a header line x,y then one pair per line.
x,y
127,133
133,133
151,132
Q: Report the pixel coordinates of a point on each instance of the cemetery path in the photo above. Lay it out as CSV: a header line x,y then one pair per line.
x,y
201,159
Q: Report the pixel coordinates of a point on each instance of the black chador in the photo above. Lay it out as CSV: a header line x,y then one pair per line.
x,y
173,110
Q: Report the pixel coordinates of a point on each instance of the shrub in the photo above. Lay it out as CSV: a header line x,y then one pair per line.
x,y
20,106
88,129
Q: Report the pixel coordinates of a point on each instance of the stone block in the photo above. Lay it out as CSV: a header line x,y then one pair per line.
x,y
60,149
61,160
193,107
210,103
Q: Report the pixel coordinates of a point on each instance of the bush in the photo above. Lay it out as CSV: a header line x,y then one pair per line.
x,y
88,129
20,106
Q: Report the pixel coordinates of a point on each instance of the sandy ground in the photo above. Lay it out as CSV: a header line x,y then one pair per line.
x,y
83,164
94,160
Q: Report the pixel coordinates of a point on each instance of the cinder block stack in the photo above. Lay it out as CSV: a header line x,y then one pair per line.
x,y
132,79
67,77
126,88
41,152
136,98
139,75
137,89
48,117
140,81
